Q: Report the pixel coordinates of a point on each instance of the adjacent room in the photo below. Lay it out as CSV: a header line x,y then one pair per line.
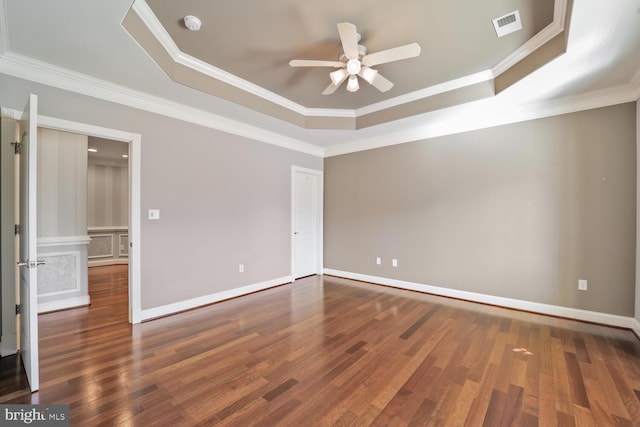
x,y
294,213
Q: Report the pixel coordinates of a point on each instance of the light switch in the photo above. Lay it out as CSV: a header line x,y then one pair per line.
x,y
154,213
582,285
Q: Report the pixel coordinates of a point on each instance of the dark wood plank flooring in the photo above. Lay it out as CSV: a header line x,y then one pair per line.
x,y
329,351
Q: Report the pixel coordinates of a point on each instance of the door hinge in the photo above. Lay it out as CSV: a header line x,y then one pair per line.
x,y
18,309
17,229
16,147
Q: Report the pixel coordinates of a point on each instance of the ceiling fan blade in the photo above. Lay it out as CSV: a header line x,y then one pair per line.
x,y
394,54
332,88
349,39
381,83
314,63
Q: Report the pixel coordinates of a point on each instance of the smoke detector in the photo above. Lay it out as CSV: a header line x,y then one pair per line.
x,y
193,23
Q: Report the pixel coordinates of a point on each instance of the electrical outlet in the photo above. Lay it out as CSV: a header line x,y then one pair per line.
x,y
582,285
378,260
154,213
241,268
394,262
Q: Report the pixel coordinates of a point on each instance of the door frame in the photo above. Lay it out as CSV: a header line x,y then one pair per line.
x,y
319,180
134,140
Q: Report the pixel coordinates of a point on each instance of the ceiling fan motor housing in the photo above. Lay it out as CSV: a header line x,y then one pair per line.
x,y
353,66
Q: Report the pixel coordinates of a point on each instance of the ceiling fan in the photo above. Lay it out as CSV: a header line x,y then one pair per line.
x,y
356,62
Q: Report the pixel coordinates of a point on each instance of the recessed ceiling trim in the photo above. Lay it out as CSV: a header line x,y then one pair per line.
x,y
438,89
330,112
226,77
537,41
147,16
159,33
297,112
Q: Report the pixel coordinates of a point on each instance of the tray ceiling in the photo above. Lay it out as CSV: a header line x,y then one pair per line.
x,y
243,49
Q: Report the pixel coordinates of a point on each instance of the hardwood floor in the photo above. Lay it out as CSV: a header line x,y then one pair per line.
x,y
329,351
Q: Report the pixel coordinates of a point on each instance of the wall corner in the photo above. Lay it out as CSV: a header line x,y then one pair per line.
x,y
637,301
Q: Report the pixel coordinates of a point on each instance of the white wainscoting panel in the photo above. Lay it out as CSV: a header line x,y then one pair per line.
x,y
60,274
109,245
123,245
101,246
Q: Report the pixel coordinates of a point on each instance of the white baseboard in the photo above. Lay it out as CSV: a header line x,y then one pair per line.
x,y
8,345
63,304
553,310
103,262
135,316
152,313
636,327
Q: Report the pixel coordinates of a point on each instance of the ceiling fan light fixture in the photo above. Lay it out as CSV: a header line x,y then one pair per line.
x,y
338,76
352,84
368,74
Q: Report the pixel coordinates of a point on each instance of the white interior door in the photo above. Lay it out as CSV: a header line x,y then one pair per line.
x,y
28,318
307,222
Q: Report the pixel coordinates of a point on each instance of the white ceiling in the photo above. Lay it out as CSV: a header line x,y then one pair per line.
x,y
73,41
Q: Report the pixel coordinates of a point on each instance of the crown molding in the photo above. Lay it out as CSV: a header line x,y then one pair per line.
x,y
488,113
472,116
10,113
4,28
40,72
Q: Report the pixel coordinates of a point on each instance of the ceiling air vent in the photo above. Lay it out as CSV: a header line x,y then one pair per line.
x,y
508,23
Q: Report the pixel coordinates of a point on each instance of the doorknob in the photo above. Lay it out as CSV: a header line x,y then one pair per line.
x,y
31,264
295,232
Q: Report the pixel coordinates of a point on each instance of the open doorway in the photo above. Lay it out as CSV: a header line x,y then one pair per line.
x,y
107,202
108,225
131,242
82,214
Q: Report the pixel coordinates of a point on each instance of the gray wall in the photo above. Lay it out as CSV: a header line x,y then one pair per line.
x,y
520,211
224,199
